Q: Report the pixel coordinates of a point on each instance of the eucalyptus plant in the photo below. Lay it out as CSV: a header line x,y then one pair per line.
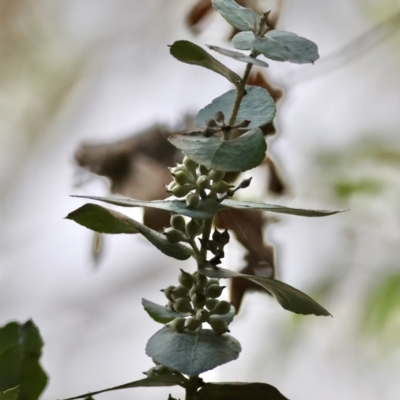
x,y
196,334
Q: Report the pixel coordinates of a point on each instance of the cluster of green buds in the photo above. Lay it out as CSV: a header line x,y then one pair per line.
x,y
160,369
196,298
191,180
180,231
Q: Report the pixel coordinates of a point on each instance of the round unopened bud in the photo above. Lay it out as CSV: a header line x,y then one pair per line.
x,y
179,292
194,289
151,372
212,281
211,303
171,305
178,324
208,132
219,117
211,123
182,177
214,291
192,200
219,326
215,175
185,279
170,186
202,315
200,280
220,186
181,190
198,300
178,222
162,369
174,236
183,305
221,308
168,292
191,324
203,182
193,228
190,165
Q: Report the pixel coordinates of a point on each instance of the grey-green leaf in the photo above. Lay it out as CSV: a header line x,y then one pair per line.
x,y
243,40
236,55
241,18
204,210
239,391
249,205
153,381
240,154
103,220
10,394
287,296
192,353
159,313
286,46
189,53
257,106
20,351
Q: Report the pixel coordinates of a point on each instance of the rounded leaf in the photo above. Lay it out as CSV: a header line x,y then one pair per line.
x,y
257,106
243,40
192,353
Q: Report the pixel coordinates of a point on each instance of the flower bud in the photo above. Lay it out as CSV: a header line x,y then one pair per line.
x,y
190,165
178,324
215,175
181,190
208,132
191,324
200,280
202,315
203,182
219,326
214,291
151,372
193,228
178,222
183,306
171,305
180,292
192,200
168,292
211,123
174,236
220,186
219,117
198,300
202,170
162,369
185,279
182,177
212,281
221,308
211,303
243,124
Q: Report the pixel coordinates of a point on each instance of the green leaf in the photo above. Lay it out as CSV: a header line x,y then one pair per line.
x,y
190,53
243,40
286,46
103,220
160,313
241,18
153,381
257,106
10,394
239,391
240,154
236,55
20,351
287,296
192,353
204,210
249,205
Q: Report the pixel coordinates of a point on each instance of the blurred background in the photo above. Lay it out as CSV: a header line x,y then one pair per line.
x,y
99,71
